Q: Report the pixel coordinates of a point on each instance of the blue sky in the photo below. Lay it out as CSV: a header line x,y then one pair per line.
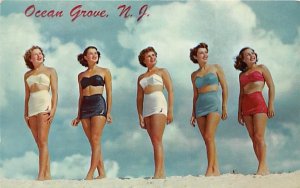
x,y
172,27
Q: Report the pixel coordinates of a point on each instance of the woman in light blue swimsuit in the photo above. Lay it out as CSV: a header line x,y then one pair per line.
x,y
206,103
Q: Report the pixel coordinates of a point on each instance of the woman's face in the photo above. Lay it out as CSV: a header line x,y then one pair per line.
x,y
202,55
91,55
150,59
36,57
249,57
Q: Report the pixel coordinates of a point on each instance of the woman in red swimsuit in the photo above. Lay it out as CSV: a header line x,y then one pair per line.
x,y
253,110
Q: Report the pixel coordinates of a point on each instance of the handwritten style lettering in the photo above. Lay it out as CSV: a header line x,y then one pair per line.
x,y
143,12
38,13
77,11
125,11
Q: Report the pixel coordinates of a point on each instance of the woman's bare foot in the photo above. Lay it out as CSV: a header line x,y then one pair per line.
x,y
88,177
100,177
216,173
40,178
209,172
262,171
159,176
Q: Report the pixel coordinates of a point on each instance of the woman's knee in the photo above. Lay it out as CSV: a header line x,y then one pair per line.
x,y
208,138
259,139
156,140
42,142
94,140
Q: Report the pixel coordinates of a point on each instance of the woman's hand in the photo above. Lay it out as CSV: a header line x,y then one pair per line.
x,y
50,117
271,111
26,118
75,121
241,119
224,113
169,117
142,123
193,121
108,118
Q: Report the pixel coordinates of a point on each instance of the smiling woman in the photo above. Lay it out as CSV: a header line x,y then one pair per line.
x,y
31,10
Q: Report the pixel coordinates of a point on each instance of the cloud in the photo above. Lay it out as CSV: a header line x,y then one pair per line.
x,y
24,167
176,140
76,167
13,45
71,167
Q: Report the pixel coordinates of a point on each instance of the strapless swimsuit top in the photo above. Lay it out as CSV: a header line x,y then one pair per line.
x,y
251,77
95,80
208,79
42,79
154,79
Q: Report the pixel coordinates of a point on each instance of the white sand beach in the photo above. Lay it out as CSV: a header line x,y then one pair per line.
x,y
283,180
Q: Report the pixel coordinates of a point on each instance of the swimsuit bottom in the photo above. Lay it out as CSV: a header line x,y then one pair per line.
x,y
154,103
207,102
39,102
253,103
93,105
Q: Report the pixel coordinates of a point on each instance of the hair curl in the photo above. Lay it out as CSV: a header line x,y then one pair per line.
x,y
143,52
27,56
81,59
193,51
239,64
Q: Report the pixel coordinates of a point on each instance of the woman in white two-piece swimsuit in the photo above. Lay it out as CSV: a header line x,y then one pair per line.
x,y
40,106
153,109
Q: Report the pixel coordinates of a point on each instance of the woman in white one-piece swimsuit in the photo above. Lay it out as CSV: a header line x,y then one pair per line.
x,y
154,110
40,106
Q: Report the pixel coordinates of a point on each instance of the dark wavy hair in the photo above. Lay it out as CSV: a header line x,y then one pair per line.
x,y
193,51
239,64
143,52
27,56
81,59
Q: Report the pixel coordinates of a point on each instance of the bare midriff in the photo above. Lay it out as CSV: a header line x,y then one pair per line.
x,y
38,87
152,88
253,87
208,88
92,90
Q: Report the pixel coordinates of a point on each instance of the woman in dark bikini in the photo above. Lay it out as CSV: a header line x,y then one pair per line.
x,y
93,112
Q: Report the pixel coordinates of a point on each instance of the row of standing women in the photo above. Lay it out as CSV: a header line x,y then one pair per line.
x,y
154,111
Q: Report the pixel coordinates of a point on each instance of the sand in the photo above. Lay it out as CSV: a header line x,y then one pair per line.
x,y
283,180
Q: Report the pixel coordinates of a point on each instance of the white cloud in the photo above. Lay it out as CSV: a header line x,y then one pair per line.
x,y
76,167
23,167
15,39
71,167
176,140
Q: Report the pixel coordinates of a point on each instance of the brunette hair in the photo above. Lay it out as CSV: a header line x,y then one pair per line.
x,y
239,64
193,51
27,56
81,59
143,52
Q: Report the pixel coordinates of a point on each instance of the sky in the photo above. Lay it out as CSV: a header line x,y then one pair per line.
x,y
172,27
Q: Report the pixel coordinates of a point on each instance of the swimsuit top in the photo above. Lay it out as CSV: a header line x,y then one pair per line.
x,y
154,79
95,80
251,77
208,79
41,78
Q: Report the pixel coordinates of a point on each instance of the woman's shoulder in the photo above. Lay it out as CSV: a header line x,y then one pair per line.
x,y
141,76
27,74
216,66
162,71
261,66
50,70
